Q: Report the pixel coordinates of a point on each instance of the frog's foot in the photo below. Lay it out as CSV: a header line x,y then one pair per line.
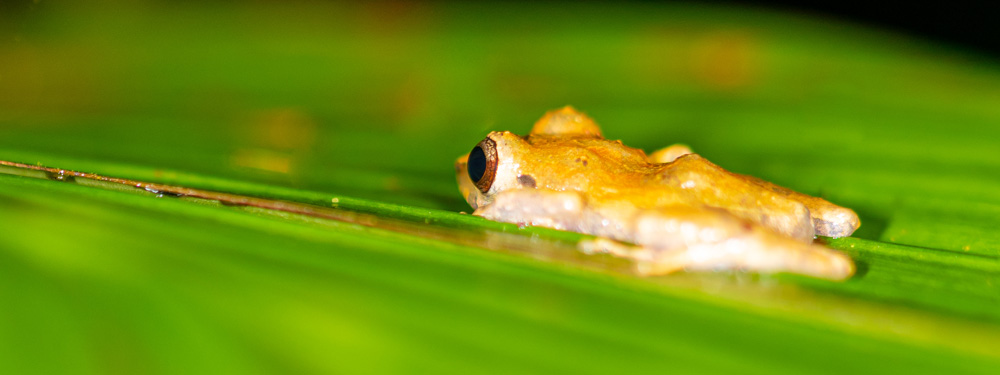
x,y
738,253
671,240
836,222
830,220
648,261
753,255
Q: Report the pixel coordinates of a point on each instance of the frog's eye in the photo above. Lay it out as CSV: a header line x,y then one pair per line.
x,y
482,164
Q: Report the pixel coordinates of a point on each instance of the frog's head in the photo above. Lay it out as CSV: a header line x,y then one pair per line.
x,y
504,161
491,167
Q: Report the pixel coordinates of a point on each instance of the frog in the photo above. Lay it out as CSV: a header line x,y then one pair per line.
x,y
671,210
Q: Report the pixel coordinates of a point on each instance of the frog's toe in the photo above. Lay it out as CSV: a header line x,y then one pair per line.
x,y
838,222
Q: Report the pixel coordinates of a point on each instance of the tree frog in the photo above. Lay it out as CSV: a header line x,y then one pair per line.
x,y
667,211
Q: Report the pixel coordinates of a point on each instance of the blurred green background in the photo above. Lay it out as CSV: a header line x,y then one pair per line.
x,y
371,103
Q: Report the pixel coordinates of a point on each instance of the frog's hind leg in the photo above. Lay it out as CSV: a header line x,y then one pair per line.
x,y
685,238
704,183
562,210
782,209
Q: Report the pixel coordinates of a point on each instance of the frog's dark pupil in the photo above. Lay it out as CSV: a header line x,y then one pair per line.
x,y
477,164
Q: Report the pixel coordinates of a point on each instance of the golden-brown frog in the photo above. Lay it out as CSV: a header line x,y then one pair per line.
x,y
668,211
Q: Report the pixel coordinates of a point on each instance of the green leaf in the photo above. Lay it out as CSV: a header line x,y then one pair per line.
x,y
329,132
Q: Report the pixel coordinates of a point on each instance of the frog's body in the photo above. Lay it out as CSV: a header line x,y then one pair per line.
x,y
680,210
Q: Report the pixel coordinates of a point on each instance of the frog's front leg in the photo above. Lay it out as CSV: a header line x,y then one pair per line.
x,y
685,238
536,207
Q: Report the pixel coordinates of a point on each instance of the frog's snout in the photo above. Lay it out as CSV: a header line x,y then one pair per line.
x,y
460,164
